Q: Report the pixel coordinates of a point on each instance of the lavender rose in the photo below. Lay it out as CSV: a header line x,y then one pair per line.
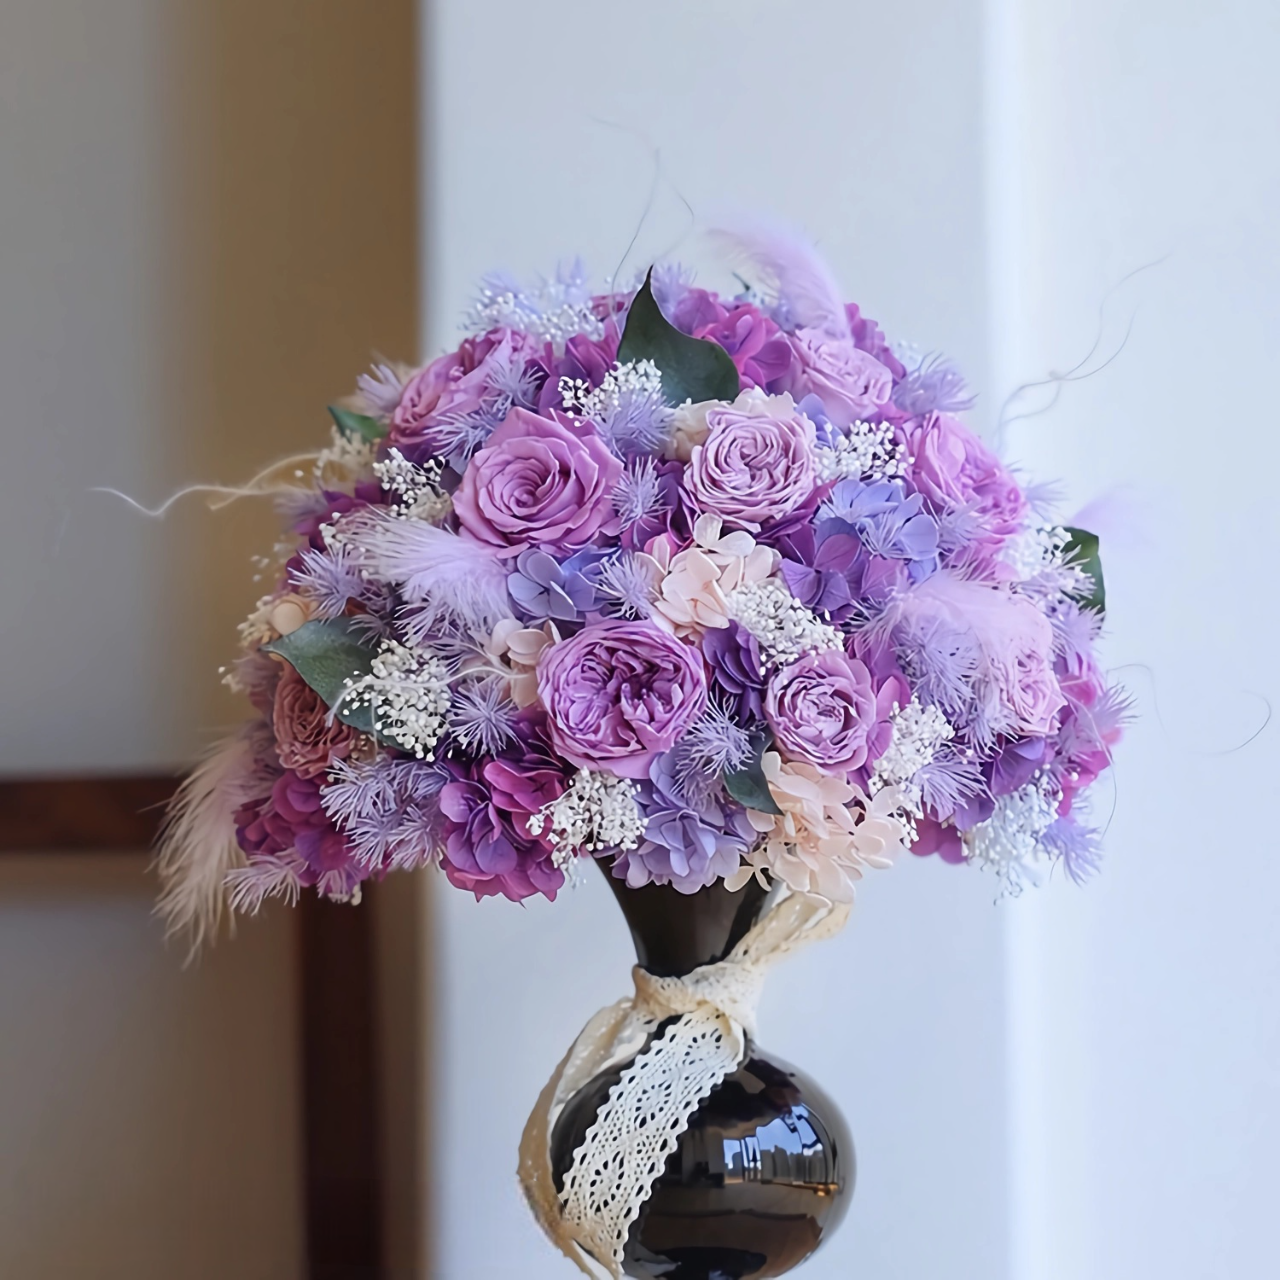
x,y
822,710
851,384
454,385
953,468
756,463
307,737
539,482
619,693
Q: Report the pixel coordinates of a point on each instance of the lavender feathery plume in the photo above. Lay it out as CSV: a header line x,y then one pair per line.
x,y
935,385
450,578
788,270
947,782
384,807
482,717
1080,848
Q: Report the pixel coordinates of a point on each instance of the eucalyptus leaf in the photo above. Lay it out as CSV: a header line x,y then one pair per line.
x,y
748,785
357,426
692,368
1082,550
326,654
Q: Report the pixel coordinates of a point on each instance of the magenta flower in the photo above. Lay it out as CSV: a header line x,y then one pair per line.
x,y
619,693
756,464
822,710
539,482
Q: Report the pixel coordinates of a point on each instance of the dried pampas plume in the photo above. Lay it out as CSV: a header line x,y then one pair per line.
x,y
197,846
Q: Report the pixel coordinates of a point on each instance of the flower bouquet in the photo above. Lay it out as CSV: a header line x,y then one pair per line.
x,y
717,593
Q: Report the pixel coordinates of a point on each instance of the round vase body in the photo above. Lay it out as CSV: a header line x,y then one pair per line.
x,y
765,1170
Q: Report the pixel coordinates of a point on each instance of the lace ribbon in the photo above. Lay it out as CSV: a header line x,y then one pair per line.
x,y
640,1123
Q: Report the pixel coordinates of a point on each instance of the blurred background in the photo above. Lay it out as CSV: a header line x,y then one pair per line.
x,y
213,213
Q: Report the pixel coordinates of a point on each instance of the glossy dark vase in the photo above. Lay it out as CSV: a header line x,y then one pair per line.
x,y
766,1169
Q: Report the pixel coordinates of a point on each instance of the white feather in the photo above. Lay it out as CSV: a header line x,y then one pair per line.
x,y
197,846
784,266
451,577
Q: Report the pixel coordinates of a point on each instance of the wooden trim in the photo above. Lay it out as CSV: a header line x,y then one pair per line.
x,y
341,1088
341,1076
77,815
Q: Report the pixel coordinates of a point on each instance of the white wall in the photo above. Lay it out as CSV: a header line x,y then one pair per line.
x,y
865,123
1147,1025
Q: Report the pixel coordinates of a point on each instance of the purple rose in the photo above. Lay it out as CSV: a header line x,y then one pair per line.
x,y
756,463
851,384
539,482
619,693
953,468
822,710
454,385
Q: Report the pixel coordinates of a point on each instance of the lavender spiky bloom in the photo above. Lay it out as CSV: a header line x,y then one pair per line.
x,y
933,386
947,782
640,493
628,585
482,718
715,744
329,579
385,809
1080,848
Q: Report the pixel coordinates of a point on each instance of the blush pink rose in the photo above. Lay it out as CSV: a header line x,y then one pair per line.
x,y
539,482
756,463
307,740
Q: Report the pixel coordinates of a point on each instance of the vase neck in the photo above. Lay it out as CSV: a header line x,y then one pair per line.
x,y
675,933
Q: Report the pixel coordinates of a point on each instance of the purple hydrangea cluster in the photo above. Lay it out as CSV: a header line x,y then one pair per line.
x,y
705,588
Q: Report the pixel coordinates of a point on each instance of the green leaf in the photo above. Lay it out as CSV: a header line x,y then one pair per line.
x,y
326,655
1082,550
691,368
748,785
357,426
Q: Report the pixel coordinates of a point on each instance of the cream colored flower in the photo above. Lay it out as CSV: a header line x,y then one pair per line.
x,y
688,428
828,831
515,650
694,583
289,613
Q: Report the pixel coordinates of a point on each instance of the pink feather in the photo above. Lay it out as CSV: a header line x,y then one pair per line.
x,y
452,577
783,265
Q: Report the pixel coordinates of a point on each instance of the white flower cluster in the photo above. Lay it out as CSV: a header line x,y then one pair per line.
x,y
918,732
555,312
408,693
1008,842
866,451
623,385
417,488
1032,551
785,629
598,811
